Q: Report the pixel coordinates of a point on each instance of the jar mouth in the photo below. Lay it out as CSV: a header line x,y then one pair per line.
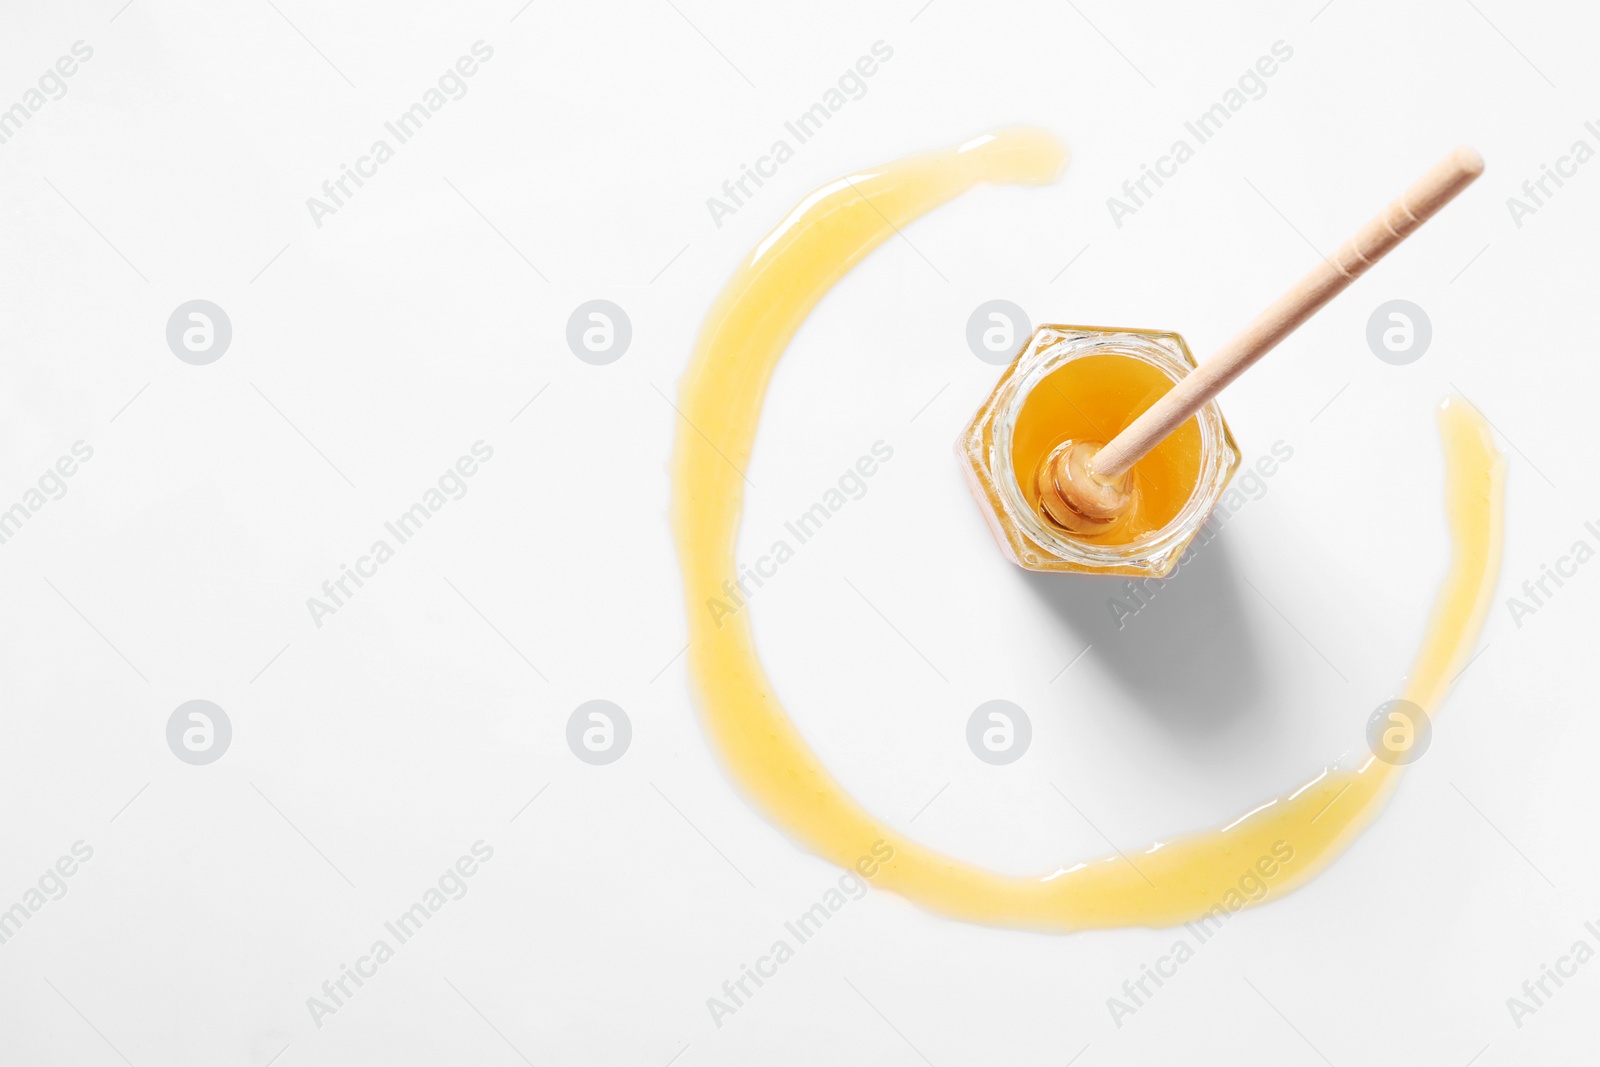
x,y
1051,348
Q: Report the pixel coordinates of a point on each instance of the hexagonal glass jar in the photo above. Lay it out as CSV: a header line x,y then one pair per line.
x,y
1026,538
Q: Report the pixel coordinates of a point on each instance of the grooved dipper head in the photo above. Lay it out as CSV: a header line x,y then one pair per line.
x,y
1074,498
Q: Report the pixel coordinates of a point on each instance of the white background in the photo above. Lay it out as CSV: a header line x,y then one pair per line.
x,y
369,353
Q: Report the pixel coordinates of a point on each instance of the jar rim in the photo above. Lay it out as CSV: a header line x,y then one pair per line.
x,y
1051,348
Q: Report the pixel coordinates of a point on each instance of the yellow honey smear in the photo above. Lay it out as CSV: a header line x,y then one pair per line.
x,y
1275,847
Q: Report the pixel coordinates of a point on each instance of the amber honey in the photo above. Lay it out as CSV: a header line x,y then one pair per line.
x,y
1094,398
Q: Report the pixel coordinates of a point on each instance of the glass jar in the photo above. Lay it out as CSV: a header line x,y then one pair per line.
x,y
1027,538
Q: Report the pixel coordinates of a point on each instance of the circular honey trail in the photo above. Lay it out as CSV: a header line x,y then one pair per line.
x,y
1274,848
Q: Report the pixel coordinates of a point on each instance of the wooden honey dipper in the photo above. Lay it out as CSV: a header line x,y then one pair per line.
x,y
1085,487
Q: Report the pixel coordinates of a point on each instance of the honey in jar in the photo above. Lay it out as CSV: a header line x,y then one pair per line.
x,y
1080,383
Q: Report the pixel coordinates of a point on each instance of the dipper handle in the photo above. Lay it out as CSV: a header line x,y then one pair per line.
x,y
1325,281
